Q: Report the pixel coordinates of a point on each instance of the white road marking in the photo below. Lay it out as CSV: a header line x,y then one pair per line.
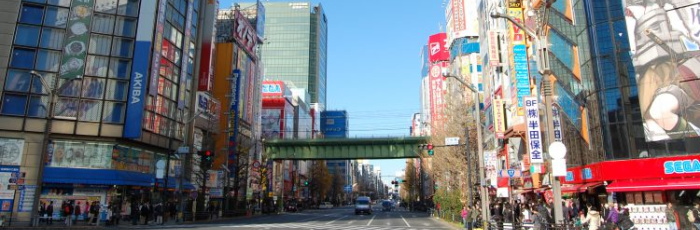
x,y
337,219
404,220
370,220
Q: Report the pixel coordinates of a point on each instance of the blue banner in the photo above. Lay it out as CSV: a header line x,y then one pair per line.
x,y
137,94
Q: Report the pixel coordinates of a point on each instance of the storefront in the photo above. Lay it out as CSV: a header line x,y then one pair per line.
x,y
647,185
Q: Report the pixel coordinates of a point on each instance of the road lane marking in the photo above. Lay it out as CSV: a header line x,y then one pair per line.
x,y
337,219
404,220
370,220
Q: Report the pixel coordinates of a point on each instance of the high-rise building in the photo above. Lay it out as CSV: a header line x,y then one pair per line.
x,y
295,46
98,94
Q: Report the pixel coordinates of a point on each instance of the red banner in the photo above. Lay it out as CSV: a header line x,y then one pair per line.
x,y
436,48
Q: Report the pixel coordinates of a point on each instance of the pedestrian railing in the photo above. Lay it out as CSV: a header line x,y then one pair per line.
x,y
527,226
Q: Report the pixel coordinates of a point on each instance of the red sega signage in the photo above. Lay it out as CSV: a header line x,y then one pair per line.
x,y
662,167
436,48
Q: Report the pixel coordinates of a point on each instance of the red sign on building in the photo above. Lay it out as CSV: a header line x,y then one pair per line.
x,y
436,48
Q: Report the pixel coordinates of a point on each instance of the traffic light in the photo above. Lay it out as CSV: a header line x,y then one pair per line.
x,y
306,183
207,158
430,149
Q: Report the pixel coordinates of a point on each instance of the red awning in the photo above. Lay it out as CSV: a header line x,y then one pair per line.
x,y
654,185
570,188
586,186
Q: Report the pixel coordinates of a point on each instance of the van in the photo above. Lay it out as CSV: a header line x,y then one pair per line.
x,y
363,204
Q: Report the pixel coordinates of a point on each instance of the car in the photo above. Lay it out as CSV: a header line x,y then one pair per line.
x,y
387,205
325,205
363,204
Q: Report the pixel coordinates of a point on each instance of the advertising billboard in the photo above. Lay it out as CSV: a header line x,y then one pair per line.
x,y
275,89
436,48
334,124
260,22
139,71
664,42
244,33
436,84
77,36
206,71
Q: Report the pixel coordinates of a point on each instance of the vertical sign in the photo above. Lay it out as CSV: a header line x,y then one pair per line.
x,y
499,123
522,77
158,39
185,56
77,36
26,198
494,54
8,176
139,71
232,141
207,52
533,130
556,121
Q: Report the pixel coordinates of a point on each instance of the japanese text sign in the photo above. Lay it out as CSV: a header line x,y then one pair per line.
x,y
534,140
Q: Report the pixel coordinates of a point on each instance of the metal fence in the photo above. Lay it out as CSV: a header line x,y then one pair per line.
x,y
527,226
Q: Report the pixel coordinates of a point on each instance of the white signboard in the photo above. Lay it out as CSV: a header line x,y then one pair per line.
x,y
556,122
534,139
451,141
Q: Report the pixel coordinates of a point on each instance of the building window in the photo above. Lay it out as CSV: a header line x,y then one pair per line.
x,y
120,68
122,47
56,17
93,87
66,108
13,104
48,60
22,58
65,3
102,23
125,27
17,81
97,66
128,8
27,35
114,112
90,110
52,38
31,14
100,44
38,106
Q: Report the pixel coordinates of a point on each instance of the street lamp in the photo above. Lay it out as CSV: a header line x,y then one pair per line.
x,y
45,143
542,60
479,144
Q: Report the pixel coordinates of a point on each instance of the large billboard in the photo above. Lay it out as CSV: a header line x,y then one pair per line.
x,y
436,84
139,71
436,48
334,124
206,72
664,42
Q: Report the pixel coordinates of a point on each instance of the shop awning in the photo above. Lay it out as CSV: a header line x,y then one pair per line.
x,y
654,185
586,186
96,176
570,188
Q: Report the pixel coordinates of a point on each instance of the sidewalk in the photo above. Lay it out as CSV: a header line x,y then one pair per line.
x,y
127,224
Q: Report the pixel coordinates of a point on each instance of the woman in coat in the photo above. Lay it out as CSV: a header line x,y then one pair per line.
x,y
593,219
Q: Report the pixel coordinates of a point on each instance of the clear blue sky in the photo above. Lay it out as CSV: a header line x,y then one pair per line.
x,y
374,63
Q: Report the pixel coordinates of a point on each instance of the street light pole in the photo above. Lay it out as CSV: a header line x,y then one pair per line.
x,y
542,55
480,148
44,145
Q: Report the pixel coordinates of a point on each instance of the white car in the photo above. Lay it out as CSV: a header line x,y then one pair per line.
x,y
325,205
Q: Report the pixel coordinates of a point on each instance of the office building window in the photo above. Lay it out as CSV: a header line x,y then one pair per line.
x,y
14,104
31,14
52,38
22,58
27,35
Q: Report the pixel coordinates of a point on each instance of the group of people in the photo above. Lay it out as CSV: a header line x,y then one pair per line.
x,y
147,212
70,212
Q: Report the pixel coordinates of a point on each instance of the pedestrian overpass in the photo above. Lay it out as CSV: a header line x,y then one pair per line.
x,y
345,148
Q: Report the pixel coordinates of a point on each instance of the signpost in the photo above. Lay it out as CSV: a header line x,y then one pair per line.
x,y
450,141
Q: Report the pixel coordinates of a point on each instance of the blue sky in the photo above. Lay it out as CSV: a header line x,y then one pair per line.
x,y
374,63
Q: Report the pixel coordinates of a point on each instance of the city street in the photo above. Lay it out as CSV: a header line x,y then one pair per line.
x,y
341,218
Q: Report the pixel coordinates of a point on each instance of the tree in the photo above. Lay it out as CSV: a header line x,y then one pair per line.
x,y
320,183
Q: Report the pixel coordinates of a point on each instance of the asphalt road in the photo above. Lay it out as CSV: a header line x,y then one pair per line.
x,y
340,218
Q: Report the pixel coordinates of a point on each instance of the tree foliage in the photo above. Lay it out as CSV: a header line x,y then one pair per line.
x,y
321,180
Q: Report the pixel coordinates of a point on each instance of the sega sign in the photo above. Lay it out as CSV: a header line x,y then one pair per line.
x,y
682,166
275,89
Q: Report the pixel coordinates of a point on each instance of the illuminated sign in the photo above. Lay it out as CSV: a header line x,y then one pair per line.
x,y
682,166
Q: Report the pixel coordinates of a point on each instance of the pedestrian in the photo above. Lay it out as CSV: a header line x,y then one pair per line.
x,y
173,211
134,213
593,219
474,217
464,214
68,212
145,213
116,213
671,217
42,212
77,212
538,222
94,211
158,211
49,213
613,216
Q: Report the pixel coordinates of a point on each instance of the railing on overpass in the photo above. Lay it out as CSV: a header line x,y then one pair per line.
x,y
345,148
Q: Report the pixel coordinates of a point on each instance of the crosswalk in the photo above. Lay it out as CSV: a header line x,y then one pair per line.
x,y
326,226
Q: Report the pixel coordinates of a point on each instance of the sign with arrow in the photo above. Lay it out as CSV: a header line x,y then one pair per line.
x,y
509,173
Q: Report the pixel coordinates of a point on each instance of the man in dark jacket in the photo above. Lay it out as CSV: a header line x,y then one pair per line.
x,y
134,213
49,212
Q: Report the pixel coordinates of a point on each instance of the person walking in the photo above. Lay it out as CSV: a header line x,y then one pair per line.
x,y
473,217
464,215
593,219
135,213
145,213
671,215
77,212
158,211
613,216
49,213
68,212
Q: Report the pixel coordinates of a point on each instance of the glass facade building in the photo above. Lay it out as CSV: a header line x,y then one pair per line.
x,y
102,61
295,46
